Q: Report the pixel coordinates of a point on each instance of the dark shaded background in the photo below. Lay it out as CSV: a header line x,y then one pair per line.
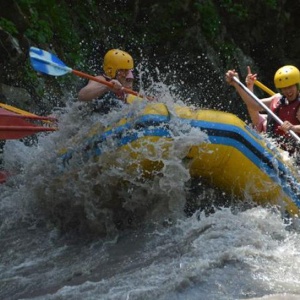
x,y
192,43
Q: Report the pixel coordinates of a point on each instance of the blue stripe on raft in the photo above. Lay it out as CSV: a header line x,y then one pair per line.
x,y
254,151
157,132
91,145
218,133
152,120
235,136
280,175
147,120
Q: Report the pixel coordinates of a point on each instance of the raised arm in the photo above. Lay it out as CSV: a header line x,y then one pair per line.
x,y
249,101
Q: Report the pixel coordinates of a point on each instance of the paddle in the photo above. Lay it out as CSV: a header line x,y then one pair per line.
x,y
26,113
47,63
264,88
266,108
3,176
19,132
14,126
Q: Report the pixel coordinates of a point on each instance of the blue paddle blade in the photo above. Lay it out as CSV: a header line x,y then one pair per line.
x,y
45,62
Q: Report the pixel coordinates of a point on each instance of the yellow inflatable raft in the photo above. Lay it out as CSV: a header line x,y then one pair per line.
x,y
233,158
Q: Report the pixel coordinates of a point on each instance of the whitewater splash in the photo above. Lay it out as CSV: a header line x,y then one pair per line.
x,y
100,196
142,242
223,256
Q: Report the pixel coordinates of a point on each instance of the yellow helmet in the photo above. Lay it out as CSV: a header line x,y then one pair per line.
x,y
116,59
286,76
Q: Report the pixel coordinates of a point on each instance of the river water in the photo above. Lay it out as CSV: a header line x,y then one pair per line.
x,y
92,232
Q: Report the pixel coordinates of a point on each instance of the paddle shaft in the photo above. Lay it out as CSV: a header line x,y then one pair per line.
x,y
47,63
264,88
265,107
107,83
26,113
19,132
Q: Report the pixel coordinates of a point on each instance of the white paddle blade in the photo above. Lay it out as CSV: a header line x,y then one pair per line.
x,y
47,63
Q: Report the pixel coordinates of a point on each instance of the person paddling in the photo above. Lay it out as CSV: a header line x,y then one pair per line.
x,y
286,104
117,66
258,120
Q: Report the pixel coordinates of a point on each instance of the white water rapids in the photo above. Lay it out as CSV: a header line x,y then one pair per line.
x,y
65,236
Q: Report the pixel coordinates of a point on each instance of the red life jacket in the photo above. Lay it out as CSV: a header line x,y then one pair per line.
x,y
286,111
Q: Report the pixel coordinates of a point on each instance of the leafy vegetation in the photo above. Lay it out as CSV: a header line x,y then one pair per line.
x,y
175,32
239,10
8,26
209,18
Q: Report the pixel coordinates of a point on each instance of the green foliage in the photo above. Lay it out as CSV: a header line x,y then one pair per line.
x,y
239,10
58,24
79,32
209,18
8,26
272,3
163,22
31,78
40,28
51,23
40,31
227,51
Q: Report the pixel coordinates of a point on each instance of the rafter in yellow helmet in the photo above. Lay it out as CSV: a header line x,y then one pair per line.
x,y
286,76
116,59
